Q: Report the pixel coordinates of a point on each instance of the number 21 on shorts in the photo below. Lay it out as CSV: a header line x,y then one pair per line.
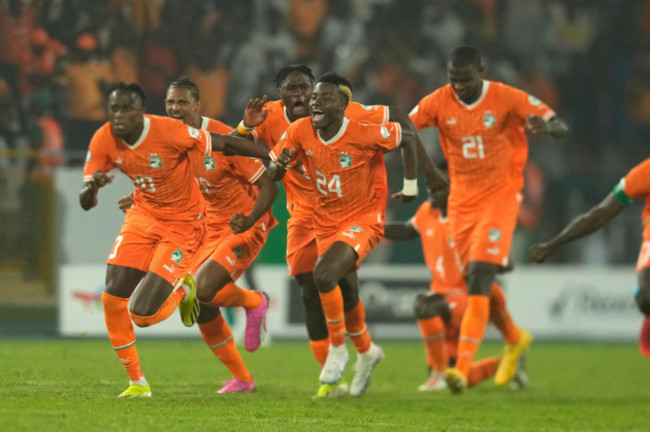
x,y
473,147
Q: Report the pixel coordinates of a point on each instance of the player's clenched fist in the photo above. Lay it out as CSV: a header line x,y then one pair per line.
x,y
239,223
540,251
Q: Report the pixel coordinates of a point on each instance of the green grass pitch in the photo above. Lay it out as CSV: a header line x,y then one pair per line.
x,y
71,385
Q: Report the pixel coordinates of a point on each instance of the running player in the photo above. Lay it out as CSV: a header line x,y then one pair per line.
x,y
295,85
340,159
164,230
482,128
440,311
233,239
635,184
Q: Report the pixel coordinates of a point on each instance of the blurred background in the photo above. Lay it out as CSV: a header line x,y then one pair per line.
x,y
589,60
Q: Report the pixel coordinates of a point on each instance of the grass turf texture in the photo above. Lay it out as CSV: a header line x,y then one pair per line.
x,y
71,385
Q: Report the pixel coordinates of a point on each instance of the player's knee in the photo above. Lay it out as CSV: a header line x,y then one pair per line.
x,y
323,278
141,316
479,281
205,290
431,305
643,300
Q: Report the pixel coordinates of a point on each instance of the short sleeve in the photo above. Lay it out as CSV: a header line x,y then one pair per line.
x,y
636,183
425,113
525,104
250,168
186,138
368,113
98,158
379,137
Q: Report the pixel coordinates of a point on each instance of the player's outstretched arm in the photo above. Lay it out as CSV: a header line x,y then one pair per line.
x,y
555,127
400,231
581,226
88,194
229,144
268,192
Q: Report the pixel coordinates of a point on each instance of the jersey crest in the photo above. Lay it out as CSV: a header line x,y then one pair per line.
x,y
209,163
177,256
489,120
345,161
155,161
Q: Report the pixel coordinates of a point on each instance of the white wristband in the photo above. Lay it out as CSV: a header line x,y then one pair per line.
x,y
410,187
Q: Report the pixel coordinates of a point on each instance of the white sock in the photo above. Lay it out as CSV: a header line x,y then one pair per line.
x,y
141,382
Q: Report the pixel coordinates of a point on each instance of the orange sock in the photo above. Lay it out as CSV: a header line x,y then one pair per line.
x,y
500,317
231,295
320,348
433,334
166,309
121,334
218,337
334,316
355,324
482,370
472,328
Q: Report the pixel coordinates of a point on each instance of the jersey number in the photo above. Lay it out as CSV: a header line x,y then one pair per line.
x,y
473,147
145,183
334,184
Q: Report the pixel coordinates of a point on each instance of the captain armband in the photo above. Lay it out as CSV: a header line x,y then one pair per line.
x,y
620,194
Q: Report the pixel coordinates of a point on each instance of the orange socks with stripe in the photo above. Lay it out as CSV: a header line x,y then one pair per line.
x,y
472,328
355,324
482,370
218,337
320,348
166,309
334,316
231,295
500,317
433,334
121,334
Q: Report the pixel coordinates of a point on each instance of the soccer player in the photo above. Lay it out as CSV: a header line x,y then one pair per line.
x,y
440,311
635,184
295,85
482,127
233,239
340,159
163,231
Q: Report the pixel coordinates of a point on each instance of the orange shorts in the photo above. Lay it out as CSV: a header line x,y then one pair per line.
x,y
362,237
233,252
644,256
165,248
457,301
302,251
485,233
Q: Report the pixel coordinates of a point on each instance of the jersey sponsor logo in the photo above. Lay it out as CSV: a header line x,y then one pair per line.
x,y
366,107
452,121
489,120
533,100
169,268
118,161
493,251
208,162
155,161
385,133
177,256
495,235
345,161
429,232
230,260
309,153
193,132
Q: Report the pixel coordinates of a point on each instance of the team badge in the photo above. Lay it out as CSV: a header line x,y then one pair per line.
x,y
155,161
193,132
489,120
238,251
534,101
495,235
356,228
208,162
177,256
345,161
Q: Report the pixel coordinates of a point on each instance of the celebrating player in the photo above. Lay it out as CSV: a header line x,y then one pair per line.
x,y
635,184
482,128
440,311
164,230
340,158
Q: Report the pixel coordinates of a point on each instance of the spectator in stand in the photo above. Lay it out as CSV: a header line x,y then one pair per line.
x,y
40,62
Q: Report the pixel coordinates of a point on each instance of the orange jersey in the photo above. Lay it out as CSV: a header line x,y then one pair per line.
x,y
226,181
484,143
301,196
438,248
157,164
342,170
636,184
